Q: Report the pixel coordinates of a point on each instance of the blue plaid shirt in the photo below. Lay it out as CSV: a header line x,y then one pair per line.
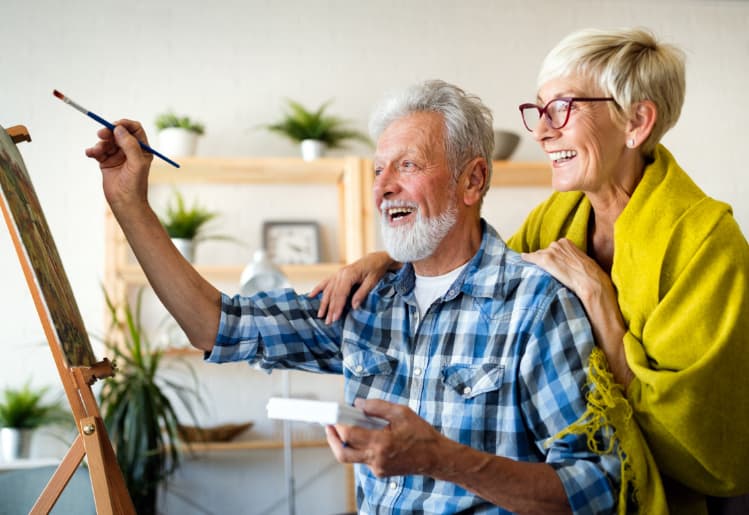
x,y
498,364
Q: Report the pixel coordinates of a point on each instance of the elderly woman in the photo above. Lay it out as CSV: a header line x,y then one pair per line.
x,y
661,268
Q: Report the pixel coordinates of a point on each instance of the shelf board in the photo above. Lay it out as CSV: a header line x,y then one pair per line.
x,y
250,445
132,273
280,170
521,174
240,170
176,352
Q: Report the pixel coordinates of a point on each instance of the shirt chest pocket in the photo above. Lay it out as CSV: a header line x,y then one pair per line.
x,y
469,381
369,373
362,363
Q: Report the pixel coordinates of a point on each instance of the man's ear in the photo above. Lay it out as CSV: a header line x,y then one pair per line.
x,y
642,121
474,178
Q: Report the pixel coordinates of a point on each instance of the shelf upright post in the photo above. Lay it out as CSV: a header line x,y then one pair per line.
x,y
288,451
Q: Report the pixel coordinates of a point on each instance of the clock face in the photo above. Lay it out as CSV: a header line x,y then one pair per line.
x,y
291,243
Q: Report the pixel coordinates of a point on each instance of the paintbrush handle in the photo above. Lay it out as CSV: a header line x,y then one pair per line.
x,y
145,147
100,120
109,125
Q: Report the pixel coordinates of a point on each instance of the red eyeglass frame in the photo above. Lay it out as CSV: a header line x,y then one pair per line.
x,y
543,111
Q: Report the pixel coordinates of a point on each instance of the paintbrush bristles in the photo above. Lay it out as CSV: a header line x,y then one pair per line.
x,y
70,102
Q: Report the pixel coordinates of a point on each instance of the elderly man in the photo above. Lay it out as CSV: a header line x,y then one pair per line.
x,y
474,357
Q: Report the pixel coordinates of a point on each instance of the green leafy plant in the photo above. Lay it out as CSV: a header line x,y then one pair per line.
x,y
171,120
299,124
183,222
25,408
140,418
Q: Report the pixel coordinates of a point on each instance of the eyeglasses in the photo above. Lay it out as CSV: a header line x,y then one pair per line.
x,y
557,111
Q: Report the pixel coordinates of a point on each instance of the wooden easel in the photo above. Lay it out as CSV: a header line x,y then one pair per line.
x,y
107,482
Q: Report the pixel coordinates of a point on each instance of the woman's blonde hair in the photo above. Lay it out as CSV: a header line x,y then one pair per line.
x,y
629,65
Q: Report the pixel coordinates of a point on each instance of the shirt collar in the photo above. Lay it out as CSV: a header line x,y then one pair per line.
x,y
479,278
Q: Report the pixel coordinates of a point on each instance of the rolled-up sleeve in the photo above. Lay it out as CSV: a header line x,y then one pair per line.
x,y
278,329
554,376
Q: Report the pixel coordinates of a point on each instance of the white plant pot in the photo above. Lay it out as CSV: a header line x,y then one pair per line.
x,y
15,443
312,149
186,248
176,142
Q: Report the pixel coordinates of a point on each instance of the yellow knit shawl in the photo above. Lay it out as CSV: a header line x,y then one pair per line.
x,y
681,271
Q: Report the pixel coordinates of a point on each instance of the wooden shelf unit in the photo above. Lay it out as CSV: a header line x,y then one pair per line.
x,y
352,177
509,174
345,174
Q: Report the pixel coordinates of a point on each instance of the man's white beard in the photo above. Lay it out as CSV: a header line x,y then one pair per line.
x,y
419,240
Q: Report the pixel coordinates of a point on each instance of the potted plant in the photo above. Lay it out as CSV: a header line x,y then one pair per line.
x,y
140,418
316,131
22,411
185,224
178,135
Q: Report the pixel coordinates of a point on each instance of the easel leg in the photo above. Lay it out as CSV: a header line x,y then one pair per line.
x,y
59,479
110,492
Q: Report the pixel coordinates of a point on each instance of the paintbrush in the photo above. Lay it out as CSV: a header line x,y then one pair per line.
x,y
109,125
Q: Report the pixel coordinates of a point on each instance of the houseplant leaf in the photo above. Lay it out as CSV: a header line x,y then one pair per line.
x,y
299,123
25,408
140,417
170,120
183,222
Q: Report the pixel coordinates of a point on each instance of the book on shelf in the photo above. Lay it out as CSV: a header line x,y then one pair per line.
x,y
322,412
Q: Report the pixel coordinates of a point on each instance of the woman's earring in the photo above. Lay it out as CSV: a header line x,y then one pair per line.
x,y
631,143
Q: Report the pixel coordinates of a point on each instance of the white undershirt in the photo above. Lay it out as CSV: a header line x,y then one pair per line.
x,y
429,288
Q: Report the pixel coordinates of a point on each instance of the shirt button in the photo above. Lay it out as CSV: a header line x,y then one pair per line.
x,y
466,390
393,485
417,371
359,368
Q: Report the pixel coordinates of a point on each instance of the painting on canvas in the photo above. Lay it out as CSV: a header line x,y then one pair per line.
x,y
39,258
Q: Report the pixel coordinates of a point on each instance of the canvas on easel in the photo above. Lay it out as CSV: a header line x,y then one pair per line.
x,y
65,332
